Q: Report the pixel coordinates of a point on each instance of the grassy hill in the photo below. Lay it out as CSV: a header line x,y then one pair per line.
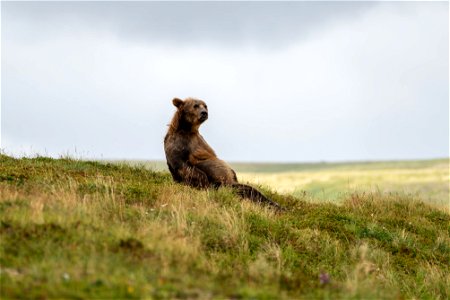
x,y
77,229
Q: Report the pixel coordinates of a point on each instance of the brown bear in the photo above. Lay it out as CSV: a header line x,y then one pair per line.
x,y
192,161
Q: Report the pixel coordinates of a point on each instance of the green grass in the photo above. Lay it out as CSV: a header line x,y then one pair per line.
x,y
426,180
77,229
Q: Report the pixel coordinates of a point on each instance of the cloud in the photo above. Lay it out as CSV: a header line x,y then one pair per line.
x,y
226,24
370,82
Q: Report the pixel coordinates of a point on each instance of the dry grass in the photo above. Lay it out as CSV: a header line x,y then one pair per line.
x,y
72,229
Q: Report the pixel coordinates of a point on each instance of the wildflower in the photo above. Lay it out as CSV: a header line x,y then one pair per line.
x,y
324,278
66,276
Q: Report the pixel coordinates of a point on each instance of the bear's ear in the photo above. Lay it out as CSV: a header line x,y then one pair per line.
x,y
177,102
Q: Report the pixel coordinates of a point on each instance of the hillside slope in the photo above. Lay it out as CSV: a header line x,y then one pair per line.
x,y
76,229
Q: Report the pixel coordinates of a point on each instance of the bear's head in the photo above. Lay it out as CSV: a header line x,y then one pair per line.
x,y
191,113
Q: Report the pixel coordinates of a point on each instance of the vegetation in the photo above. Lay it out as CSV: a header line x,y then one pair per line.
x,y
77,229
427,180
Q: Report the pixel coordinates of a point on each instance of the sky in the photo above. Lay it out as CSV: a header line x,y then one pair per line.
x,y
284,81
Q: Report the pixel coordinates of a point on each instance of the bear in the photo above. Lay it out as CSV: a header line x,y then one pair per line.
x,y
192,161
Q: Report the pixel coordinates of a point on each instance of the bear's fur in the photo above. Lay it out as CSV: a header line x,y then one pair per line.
x,y
192,161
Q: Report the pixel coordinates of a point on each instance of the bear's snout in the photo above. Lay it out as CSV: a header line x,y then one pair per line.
x,y
203,114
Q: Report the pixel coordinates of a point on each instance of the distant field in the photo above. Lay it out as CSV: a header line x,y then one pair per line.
x,y
426,179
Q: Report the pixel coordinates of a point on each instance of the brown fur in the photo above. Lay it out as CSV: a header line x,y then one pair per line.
x,y
192,161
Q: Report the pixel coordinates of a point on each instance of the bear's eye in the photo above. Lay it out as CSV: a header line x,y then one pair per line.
x,y
206,106
196,106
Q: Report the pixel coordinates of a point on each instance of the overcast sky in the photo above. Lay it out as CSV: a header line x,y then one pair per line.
x,y
291,81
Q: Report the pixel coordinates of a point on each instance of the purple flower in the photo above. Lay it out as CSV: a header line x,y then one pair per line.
x,y
324,278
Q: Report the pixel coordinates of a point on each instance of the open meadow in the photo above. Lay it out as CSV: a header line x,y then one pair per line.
x,y
98,230
424,180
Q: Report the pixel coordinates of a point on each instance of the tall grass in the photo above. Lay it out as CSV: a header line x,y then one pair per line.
x,y
74,229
